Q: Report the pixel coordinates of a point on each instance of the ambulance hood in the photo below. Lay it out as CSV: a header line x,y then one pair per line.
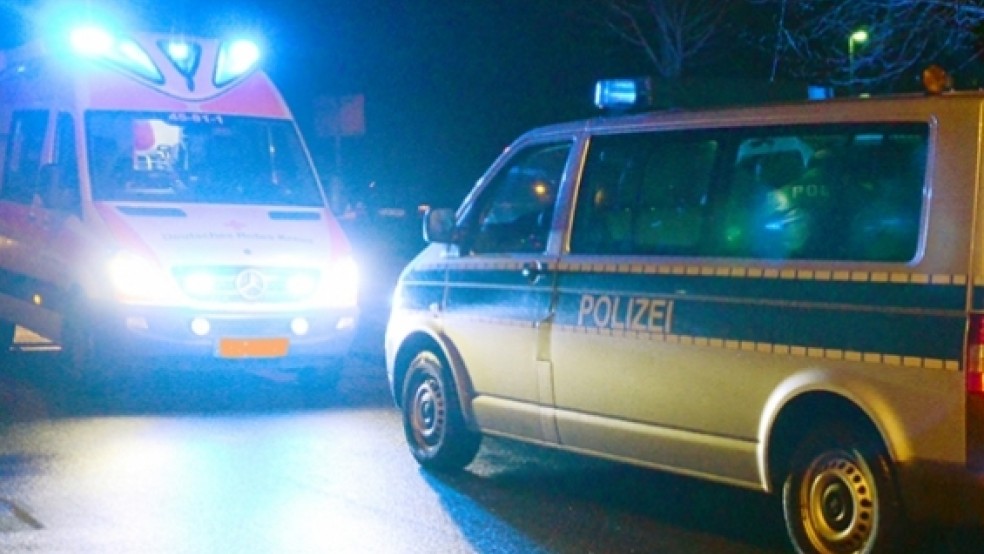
x,y
194,235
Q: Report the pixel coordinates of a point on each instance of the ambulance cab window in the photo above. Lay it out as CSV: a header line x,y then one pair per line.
x,y
22,163
62,184
198,158
514,212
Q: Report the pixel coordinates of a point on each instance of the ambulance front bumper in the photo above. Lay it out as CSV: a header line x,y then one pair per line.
x,y
181,339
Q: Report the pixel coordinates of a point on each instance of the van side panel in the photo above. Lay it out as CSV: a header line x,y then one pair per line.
x,y
700,352
666,359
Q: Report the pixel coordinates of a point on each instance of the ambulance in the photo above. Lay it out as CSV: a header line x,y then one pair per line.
x,y
158,208
785,298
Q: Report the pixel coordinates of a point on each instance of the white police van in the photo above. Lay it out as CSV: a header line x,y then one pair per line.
x,y
158,207
787,298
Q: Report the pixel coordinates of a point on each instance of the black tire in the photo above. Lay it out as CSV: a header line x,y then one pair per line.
x,y
7,331
318,382
82,357
432,420
840,495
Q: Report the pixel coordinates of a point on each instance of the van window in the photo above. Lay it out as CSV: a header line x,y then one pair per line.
x,y
825,192
514,212
22,167
645,194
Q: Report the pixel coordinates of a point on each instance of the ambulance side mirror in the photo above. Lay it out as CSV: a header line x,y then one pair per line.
x,y
439,226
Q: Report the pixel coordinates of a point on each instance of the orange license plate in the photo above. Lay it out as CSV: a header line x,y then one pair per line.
x,y
253,348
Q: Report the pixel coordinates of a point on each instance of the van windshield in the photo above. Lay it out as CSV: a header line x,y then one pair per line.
x,y
193,157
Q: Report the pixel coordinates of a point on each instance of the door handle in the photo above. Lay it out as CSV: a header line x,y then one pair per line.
x,y
533,271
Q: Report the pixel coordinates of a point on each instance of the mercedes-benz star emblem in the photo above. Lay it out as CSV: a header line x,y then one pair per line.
x,y
250,284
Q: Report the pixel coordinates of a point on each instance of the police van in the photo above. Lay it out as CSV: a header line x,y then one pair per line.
x,y
158,207
786,298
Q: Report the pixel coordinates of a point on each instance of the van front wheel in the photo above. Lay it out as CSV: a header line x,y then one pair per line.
x,y
432,420
839,496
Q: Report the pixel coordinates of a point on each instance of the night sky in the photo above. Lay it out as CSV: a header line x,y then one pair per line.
x,y
448,84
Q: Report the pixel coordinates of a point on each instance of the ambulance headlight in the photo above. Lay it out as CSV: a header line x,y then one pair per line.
x,y
134,277
340,283
301,285
198,284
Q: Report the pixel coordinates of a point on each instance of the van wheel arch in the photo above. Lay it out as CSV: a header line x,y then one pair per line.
x,y
821,446
806,413
414,345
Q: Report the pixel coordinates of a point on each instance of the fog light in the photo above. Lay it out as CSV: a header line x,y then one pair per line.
x,y
136,323
200,326
345,323
300,326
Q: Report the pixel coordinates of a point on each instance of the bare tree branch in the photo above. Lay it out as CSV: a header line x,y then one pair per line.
x,y
903,37
670,33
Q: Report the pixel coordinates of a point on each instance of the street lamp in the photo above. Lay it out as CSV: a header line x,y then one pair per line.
x,y
857,37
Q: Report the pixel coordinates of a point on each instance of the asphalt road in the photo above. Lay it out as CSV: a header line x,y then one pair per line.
x,y
228,464
242,464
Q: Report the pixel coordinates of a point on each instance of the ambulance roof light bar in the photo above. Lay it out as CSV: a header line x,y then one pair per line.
x,y
96,42
623,94
235,58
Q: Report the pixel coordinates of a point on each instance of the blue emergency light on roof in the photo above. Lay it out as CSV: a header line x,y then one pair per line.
x,y
95,42
184,55
622,94
236,58
91,41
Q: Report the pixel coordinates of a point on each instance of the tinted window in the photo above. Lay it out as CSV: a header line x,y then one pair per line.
x,y
807,192
513,213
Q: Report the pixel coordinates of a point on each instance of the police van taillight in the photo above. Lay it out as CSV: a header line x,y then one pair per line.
x,y
974,361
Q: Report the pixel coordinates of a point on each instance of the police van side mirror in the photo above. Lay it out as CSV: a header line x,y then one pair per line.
x,y
439,226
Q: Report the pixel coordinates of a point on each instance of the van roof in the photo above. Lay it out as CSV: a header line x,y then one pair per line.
x,y
895,107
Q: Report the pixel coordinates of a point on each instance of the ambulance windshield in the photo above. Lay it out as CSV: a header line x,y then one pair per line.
x,y
190,157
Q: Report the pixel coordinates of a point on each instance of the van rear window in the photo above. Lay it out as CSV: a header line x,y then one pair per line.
x,y
824,192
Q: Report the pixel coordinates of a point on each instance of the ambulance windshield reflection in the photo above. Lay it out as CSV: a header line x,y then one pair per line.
x,y
198,158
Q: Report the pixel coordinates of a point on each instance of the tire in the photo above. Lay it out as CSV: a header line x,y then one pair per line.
x,y
432,420
7,331
840,495
82,357
318,382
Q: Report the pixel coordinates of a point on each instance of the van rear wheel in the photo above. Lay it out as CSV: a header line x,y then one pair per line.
x,y
432,419
839,496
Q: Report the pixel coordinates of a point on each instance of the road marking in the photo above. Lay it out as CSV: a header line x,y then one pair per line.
x,y
14,518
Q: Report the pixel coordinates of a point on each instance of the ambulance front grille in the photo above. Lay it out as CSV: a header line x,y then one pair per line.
x,y
246,283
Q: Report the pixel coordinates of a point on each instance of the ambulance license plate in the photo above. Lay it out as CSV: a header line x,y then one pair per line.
x,y
253,348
